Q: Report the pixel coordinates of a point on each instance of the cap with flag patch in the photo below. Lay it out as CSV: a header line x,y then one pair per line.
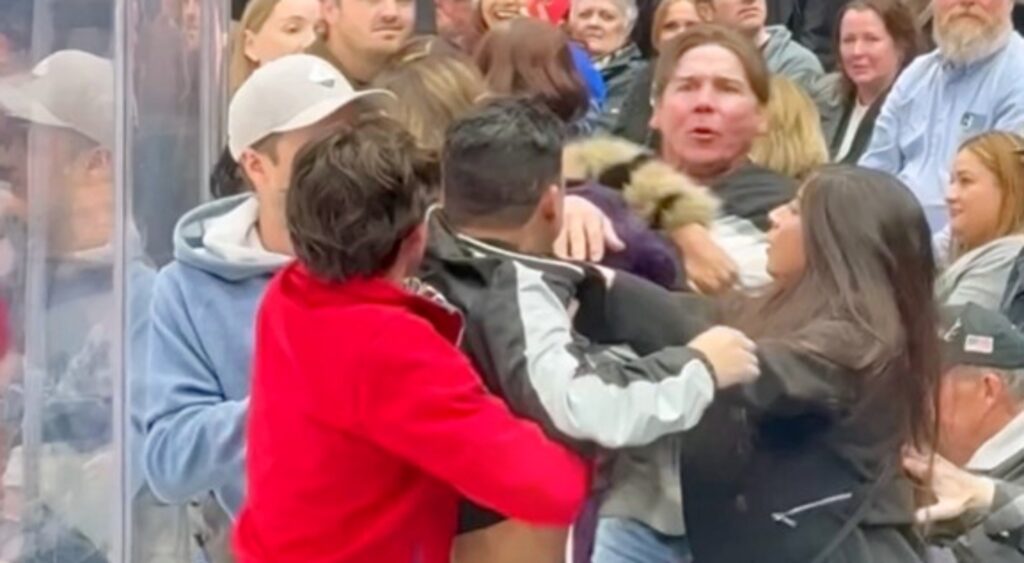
x,y
975,336
286,94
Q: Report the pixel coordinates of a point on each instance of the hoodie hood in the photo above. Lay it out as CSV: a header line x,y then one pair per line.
x,y
220,237
778,38
660,195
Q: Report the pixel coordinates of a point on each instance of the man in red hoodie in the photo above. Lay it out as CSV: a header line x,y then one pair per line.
x,y
366,423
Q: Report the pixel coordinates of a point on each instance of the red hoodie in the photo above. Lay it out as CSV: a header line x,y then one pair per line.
x,y
366,424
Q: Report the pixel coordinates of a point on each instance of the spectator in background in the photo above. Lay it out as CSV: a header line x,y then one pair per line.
x,y
322,418
711,92
876,40
361,36
528,57
811,22
986,213
204,303
979,508
782,53
65,109
270,29
435,85
455,22
671,18
493,13
792,144
969,85
603,27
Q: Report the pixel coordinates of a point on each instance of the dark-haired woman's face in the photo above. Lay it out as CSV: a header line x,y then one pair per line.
x,y
786,257
867,52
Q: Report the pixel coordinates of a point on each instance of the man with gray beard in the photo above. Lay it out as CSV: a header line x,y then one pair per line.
x,y
971,84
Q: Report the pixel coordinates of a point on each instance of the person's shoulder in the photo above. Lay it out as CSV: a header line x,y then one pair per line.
x,y
921,66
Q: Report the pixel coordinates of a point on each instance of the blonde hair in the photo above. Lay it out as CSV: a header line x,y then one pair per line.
x,y
793,144
256,14
661,14
1002,154
436,85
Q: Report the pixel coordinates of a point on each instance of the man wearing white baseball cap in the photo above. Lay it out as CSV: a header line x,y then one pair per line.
x,y
205,301
62,113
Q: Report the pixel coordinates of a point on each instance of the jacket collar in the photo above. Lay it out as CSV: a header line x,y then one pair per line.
x,y
1005,445
619,59
414,296
450,246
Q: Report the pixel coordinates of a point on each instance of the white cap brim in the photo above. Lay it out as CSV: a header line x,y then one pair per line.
x,y
17,100
310,116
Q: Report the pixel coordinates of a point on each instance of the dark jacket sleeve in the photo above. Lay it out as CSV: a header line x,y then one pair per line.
x,y
521,335
795,382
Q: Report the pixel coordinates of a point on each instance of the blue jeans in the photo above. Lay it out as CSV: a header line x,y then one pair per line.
x,y
622,540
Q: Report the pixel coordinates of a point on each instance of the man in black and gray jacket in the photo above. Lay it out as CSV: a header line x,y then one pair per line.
x,y
600,359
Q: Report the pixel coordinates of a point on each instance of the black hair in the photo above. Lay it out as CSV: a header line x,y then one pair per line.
x,y
498,161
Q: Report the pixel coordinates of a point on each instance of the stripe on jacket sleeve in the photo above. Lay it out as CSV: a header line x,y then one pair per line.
x,y
613,404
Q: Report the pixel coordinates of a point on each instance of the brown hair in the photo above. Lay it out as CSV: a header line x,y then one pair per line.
x,y
1002,154
256,14
531,57
793,144
900,24
660,14
435,83
865,301
355,196
711,34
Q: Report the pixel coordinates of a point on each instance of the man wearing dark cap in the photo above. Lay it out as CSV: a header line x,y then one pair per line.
x,y
982,431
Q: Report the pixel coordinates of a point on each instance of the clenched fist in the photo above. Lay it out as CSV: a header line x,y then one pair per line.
x,y
730,353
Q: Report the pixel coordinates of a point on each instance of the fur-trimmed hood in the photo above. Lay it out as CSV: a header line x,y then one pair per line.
x,y
661,196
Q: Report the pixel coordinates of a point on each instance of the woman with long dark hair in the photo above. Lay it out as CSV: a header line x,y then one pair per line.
x,y
803,465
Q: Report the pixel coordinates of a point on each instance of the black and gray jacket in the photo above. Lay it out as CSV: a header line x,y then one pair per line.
x,y
578,349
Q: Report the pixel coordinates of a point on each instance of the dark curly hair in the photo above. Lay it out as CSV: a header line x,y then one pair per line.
x,y
355,195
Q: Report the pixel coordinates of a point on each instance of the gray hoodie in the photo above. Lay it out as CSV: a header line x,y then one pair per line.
x,y
785,56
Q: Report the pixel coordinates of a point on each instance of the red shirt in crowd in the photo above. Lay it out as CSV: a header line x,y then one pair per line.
x,y
366,425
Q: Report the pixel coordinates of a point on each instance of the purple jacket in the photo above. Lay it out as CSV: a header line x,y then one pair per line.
x,y
648,253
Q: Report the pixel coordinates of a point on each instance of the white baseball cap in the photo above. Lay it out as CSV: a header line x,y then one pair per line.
x,y
286,94
68,89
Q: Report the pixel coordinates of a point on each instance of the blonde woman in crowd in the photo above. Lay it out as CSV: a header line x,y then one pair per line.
x,y
270,29
436,84
793,144
986,215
